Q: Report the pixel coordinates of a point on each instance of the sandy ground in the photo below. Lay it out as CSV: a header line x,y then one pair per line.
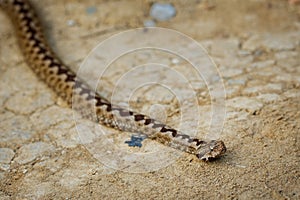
x,y
255,45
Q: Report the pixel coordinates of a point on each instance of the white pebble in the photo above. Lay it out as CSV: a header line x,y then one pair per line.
x,y
71,22
162,11
175,61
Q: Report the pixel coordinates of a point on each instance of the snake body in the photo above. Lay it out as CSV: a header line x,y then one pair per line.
x,y
90,105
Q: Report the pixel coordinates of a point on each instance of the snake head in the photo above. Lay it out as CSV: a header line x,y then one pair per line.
x,y
4,3
211,150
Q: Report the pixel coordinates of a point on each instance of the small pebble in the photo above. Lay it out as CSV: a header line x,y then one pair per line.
x,y
162,11
236,82
30,152
6,155
4,167
244,53
149,23
91,10
258,52
71,22
175,61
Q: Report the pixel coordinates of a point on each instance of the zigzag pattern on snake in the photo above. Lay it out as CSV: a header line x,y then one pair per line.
x,y
74,91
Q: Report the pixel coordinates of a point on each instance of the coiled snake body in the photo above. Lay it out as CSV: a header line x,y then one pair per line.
x,y
64,82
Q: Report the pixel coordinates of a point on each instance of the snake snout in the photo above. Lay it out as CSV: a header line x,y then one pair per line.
x,y
213,150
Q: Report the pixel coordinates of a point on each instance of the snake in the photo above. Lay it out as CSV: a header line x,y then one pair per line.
x,y
89,104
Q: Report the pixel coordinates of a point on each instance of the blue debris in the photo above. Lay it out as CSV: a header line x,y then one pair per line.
x,y
162,11
135,141
91,10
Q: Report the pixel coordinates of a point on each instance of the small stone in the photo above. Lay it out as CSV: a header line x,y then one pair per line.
x,y
275,42
15,130
91,10
66,138
277,87
252,44
274,87
28,101
286,54
268,98
50,116
230,72
30,152
238,116
287,77
225,46
258,53
243,53
236,82
263,64
294,93
162,11
71,22
4,167
232,90
252,90
175,61
245,103
280,42
149,23
6,155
